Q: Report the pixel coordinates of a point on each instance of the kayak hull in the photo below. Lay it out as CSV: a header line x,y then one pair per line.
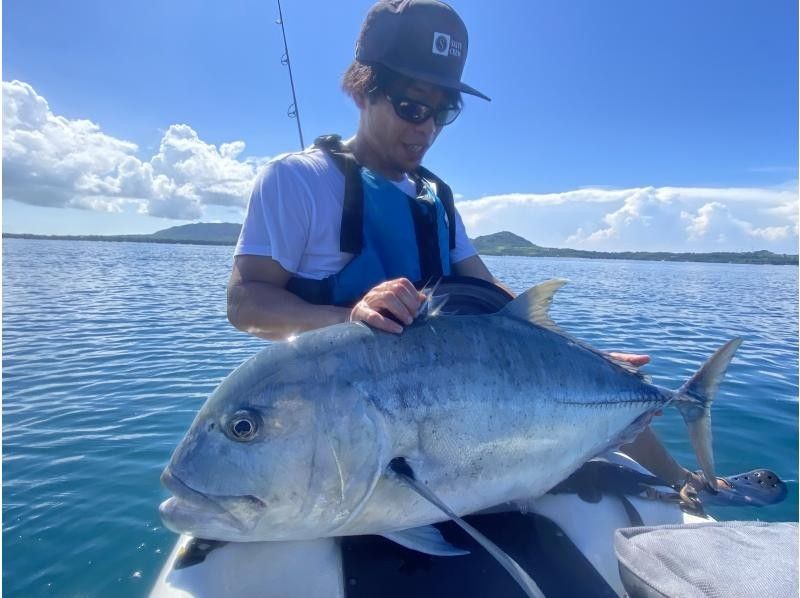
x,y
314,568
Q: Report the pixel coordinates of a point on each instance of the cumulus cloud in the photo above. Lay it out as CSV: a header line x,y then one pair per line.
x,y
50,160
714,221
645,219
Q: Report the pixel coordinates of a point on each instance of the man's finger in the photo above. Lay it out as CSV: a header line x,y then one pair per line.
x,y
631,358
397,308
376,320
409,295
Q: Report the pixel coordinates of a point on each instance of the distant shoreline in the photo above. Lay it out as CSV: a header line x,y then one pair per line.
x,y
754,257
115,239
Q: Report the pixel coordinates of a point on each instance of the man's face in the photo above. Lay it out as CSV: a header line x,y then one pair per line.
x,y
396,145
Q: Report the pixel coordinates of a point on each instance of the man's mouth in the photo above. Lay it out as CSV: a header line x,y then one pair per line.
x,y
415,150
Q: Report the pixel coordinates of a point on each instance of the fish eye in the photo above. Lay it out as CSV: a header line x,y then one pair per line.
x,y
243,426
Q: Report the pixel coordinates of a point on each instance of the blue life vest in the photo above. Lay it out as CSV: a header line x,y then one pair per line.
x,y
391,234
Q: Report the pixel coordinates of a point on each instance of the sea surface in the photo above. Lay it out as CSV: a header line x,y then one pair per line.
x,y
109,350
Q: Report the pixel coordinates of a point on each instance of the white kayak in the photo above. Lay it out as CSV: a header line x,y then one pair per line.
x,y
564,541
314,568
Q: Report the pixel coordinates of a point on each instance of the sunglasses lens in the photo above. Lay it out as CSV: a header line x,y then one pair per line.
x,y
417,112
445,116
412,111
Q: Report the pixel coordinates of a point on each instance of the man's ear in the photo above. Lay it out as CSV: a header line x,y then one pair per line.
x,y
361,100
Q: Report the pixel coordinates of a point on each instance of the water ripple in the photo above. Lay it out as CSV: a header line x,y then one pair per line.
x,y
111,348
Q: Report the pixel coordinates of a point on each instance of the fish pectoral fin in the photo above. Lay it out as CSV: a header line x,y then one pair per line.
x,y
403,471
426,539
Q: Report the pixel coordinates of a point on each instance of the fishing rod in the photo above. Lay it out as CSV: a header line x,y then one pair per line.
x,y
294,111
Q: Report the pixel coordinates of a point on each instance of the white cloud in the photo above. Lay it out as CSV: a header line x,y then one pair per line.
x,y
49,160
714,221
645,219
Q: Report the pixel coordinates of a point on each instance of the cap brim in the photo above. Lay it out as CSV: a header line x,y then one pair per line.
x,y
433,80
473,92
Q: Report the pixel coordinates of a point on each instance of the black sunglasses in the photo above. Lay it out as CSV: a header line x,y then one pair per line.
x,y
418,112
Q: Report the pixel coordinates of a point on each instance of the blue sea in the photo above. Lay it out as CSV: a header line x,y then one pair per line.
x,y
109,350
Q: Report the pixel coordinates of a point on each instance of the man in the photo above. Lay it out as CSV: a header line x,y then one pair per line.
x,y
407,89
339,231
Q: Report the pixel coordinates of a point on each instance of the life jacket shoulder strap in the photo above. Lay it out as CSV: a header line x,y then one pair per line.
x,y
445,195
351,237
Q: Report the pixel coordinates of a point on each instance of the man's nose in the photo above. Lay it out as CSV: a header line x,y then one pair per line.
x,y
429,128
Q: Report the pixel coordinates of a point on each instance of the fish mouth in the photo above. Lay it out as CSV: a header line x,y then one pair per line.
x,y
210,516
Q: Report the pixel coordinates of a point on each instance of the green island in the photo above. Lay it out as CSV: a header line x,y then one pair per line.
x,y
502,243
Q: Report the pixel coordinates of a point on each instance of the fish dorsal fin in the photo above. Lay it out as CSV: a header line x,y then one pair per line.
x,y
534,304
433,304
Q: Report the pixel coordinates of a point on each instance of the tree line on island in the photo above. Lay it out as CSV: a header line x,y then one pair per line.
x,y
502,243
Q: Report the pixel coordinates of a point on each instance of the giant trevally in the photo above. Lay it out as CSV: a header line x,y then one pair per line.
x,y
306,439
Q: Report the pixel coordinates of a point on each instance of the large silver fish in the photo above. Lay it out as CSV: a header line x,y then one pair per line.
x,y
305,439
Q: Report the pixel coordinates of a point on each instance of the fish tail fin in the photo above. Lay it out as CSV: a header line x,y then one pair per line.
x,y
694,399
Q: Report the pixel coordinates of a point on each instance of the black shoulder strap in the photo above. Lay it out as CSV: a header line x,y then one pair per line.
x,y
445,195
351,238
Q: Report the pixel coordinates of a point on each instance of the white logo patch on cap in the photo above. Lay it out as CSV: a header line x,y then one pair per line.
x,y
441,44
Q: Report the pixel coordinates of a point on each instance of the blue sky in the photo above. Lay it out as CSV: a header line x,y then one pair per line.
x,y
614,125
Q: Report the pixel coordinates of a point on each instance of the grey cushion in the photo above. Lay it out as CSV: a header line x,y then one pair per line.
x,y
716,560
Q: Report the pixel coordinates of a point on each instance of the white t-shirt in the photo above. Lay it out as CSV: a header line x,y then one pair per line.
x,y
294,216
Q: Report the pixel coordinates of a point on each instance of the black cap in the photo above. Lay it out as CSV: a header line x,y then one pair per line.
x,y
421,39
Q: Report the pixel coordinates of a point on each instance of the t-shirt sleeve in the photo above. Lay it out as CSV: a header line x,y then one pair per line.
x,y
463,248
278,217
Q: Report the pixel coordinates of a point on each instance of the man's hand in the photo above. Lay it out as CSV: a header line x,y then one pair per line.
x,y
396,297
636,361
